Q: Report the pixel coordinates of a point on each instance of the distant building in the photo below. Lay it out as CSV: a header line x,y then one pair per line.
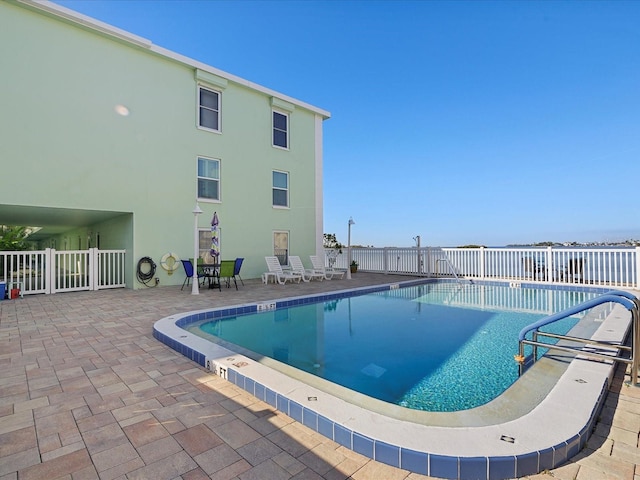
x,y
108,141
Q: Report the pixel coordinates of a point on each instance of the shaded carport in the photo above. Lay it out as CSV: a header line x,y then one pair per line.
x,y
74,229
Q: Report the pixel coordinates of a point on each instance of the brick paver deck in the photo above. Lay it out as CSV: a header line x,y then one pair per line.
x,y
86,392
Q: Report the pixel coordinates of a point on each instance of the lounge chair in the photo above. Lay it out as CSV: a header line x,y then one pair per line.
x,y
328,273
307,273
275,271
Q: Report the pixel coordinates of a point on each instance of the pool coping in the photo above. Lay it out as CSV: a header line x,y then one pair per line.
x,y
543,438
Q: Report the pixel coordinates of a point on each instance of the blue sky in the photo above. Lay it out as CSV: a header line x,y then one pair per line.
x,y
464,122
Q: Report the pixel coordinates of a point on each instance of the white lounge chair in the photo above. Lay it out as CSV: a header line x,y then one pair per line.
x,y
276,272
329,273
307,273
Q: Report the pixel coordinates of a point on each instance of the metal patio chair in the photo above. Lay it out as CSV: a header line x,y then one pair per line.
x,y
188,270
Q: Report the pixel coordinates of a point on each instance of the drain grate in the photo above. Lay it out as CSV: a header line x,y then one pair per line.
x,y
508,439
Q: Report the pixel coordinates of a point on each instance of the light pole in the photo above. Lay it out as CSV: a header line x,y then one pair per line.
x,y
351,222
196,251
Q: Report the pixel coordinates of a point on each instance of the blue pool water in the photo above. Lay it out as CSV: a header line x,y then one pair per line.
x,y
434,347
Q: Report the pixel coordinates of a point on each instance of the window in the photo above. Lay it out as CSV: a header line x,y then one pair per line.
x,y
208,178
209,109
280,189
280,130
281,247
204,243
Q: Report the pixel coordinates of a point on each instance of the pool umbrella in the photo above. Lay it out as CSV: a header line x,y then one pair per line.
x,y
215,237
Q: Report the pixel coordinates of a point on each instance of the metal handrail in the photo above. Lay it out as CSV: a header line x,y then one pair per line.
x,y
626,299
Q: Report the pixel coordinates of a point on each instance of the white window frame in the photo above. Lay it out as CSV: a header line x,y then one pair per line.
x,y
274,129
198,177
287,189
218,112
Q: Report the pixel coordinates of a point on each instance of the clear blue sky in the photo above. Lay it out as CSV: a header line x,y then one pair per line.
x,y
460,121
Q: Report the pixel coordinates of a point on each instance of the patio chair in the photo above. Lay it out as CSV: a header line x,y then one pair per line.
x,y
329,273
275,271
208,272
188,270
307,273
236,269
227,271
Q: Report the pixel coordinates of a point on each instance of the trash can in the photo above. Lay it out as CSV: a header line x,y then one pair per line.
x,y
3,290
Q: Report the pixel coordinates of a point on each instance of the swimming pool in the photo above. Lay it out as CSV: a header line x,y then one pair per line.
x,y
541,421
435,347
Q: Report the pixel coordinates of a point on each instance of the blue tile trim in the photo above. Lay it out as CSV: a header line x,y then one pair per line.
x,y
325,427
310,419
414,461
486,468
343,436
295,411
504,467
472,468
559,455
260,392
363,445
282,404
444,467
573,446
526,464
271,398
545,459
386,453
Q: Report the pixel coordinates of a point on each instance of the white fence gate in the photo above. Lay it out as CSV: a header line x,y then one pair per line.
x,y
51,271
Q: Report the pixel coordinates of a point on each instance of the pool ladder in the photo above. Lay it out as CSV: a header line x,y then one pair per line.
x,y
632,357
448,263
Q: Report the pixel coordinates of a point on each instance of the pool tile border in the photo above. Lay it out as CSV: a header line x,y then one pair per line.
x,y
425,463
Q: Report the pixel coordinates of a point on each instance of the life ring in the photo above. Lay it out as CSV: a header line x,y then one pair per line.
x,y
170,262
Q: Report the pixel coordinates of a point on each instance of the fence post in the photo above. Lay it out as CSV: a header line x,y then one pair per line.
x,y
549,263
93,269
385,261
481,261
50,274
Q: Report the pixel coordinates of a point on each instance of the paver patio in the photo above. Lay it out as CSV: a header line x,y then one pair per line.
x,y
86,392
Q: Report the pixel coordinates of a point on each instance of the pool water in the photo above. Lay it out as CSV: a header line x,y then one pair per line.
x,y
435,347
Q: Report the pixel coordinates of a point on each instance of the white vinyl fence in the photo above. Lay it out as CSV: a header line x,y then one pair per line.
x,y
51,271
606,266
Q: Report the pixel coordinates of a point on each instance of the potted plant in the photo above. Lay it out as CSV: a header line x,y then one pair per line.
x,y
353,266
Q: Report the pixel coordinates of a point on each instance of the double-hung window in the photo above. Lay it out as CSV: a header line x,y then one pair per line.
x,y
280,189
208,109
280,129
208,178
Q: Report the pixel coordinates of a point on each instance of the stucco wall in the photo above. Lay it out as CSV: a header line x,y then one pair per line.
x,y
65,146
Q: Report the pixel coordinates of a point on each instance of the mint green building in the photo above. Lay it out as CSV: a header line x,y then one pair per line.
x,y
109,141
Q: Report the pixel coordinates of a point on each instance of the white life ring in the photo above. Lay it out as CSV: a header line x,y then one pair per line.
x,y
170,262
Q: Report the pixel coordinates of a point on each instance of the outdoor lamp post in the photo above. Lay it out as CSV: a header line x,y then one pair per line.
x,y
351,222
196,251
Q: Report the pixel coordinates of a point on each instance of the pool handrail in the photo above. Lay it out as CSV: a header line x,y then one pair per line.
x,y
618,296
626,299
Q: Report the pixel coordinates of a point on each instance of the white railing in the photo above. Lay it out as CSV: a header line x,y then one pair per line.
x,y
51,271
605,266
